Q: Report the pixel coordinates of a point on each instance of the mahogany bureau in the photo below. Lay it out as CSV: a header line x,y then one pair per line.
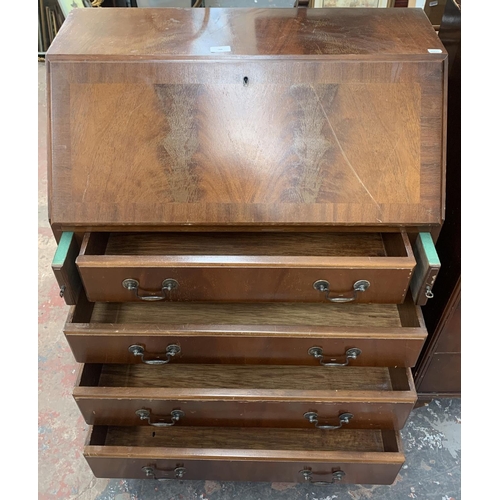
x,y
244,202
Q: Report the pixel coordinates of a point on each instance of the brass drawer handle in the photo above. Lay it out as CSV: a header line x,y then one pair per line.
x,y
344,418
150,471
317,352
337,475
167,286
324,286
171,351
145,414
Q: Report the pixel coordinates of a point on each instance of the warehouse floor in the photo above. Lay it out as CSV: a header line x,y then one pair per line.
x,y
431,436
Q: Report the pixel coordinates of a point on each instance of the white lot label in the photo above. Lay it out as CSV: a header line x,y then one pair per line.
x,y
222,48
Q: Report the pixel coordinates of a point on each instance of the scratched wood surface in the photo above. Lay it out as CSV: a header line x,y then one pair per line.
x,y
167,33
330,135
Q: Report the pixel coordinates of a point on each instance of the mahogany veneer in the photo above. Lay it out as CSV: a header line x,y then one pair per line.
x,y
243,200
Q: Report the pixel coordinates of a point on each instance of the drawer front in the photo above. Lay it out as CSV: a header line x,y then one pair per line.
x,y
104,409
234,454
234,267
109,347
243,470
284,334
245,396
245,282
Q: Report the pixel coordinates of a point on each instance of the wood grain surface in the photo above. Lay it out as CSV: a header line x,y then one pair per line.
x,y
272,333
248,439
189,143
257,396
280,313
269,244
118,407
256,455
251,267
310,119
359,467
150,33
286,378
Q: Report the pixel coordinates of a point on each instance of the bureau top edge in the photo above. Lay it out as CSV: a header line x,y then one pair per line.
x,y
229,34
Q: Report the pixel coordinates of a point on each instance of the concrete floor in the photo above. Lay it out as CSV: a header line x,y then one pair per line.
x,y
431,436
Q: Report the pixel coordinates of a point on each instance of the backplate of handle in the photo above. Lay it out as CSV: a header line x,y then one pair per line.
x,y
167,285
145,414
317,352
139,350
336,475
151,470
312,417
324,287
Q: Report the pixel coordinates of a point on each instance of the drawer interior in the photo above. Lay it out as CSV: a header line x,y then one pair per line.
x,y
245,377
286,314
251,244
362,440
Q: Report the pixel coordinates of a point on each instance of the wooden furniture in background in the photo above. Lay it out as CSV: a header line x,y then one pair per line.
x,y
244,235
438,372
435,10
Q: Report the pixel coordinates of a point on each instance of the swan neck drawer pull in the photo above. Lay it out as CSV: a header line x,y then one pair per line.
x,y
150,471
167,285
324,287
351,353
307,474
312,417
171,351
175,416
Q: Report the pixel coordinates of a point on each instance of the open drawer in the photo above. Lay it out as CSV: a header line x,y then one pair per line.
x,y
261,333
245,396
245,454
235,267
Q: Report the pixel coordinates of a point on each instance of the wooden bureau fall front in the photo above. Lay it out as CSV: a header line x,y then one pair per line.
x,y
244,201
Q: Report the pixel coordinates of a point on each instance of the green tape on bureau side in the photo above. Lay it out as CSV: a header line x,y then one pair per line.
x,y
62,249
429,249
